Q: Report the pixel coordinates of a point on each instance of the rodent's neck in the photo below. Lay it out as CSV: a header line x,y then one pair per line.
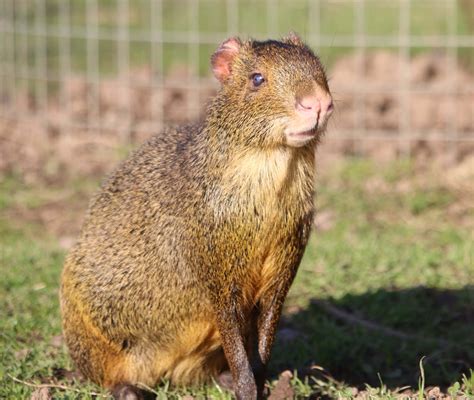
x,y
231,127
256,181
238,152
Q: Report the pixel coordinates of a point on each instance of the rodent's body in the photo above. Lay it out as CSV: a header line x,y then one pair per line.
x,y
151,306
187,243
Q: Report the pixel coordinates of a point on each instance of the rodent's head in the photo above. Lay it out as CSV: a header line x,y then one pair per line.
x,y
276,90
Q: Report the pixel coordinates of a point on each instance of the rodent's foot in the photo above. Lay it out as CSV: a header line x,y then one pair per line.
x,y
225,380
242,391
125,391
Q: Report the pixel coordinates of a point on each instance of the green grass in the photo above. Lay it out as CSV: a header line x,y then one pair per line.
x,y
393,262
391,257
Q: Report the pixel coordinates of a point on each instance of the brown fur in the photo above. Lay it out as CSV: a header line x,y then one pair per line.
x,y
195,239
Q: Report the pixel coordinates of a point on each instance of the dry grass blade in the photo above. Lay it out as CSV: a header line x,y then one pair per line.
x,y
55,386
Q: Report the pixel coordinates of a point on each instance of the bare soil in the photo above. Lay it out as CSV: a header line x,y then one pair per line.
x,y
440,98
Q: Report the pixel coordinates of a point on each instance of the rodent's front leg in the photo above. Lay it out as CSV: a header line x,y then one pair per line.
x,y
230,328
269,311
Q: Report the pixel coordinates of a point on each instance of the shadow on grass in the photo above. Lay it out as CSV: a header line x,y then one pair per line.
x,y
381,336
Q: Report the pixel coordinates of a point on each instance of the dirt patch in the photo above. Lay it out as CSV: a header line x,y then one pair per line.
x,y
283,389
440,98
36,154
41,394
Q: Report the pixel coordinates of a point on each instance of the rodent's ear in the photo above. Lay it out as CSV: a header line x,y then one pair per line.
x,y
293,38
221,60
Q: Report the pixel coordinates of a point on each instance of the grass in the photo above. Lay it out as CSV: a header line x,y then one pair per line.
x,y
393,257
387,281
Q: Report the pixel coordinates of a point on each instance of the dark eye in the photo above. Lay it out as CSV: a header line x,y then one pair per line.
x,y
257,79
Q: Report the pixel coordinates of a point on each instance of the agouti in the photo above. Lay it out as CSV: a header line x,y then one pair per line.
x,y
189,249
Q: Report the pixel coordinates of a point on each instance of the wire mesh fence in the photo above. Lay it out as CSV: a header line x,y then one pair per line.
x,y
400,70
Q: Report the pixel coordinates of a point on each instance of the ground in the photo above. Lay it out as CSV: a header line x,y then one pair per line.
x,y
384,293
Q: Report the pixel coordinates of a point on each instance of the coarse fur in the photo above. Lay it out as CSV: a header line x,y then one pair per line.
x,y
188,250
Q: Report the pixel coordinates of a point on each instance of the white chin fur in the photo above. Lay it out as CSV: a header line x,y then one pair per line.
x,y
297,133
298,136
300,139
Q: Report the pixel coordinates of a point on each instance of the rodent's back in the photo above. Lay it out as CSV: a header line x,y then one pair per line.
x,y
163,169
134,241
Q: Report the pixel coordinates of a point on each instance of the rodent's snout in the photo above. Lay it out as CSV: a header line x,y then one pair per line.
x,y
319,105
312,113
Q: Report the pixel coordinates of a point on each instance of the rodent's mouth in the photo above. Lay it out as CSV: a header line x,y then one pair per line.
x,y
305,134
301,138
301,131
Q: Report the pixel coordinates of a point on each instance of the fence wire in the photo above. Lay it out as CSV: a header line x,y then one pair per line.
x,y
129,66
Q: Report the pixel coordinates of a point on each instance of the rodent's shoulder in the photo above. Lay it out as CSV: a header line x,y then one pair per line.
x,y
163,167
178,142
167,154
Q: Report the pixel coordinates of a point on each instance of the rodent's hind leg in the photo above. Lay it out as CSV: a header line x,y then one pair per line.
x,y
100,359
124,391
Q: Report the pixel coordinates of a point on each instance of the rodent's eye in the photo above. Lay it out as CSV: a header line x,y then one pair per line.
x,y
257,79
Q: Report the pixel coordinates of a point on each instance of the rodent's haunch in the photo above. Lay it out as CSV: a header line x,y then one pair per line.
x,y
189,249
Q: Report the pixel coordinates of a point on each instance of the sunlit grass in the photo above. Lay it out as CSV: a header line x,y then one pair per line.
x,y
390,255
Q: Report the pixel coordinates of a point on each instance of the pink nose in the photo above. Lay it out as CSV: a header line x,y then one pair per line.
x,y
315,105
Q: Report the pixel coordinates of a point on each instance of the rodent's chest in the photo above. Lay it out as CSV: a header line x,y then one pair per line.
x,y
259,205
274,254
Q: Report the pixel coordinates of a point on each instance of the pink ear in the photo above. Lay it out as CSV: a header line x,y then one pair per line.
x,y
222,59
293,38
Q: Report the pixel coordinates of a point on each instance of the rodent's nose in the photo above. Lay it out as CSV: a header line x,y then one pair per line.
x,y
328,105
321,104
308,104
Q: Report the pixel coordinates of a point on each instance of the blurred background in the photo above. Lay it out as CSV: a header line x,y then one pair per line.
x,y
387,278
401,71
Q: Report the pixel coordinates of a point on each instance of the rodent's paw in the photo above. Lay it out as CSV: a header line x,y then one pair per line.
x,y
225,380
127,392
